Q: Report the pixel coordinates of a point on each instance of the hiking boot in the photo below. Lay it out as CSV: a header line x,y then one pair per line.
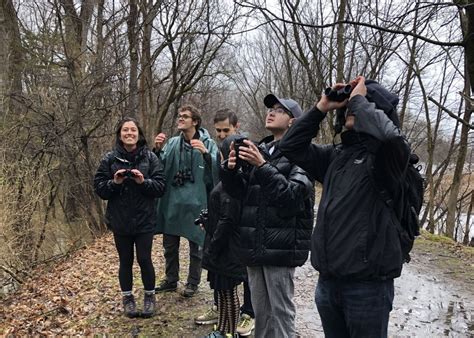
x,y
129,306
215,334
245,325
209,317
148,305
190,290
166,286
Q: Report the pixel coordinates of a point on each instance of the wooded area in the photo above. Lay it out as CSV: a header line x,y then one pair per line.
x,y
70,70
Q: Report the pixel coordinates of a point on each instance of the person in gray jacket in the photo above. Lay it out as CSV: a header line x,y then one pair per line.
x,y
355,244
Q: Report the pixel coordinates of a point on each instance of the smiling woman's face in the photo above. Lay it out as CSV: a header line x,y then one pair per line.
x,y
129,135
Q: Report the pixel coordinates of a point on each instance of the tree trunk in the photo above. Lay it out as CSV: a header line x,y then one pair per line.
x,y
341,42
11,59
467,230
133,51
467,23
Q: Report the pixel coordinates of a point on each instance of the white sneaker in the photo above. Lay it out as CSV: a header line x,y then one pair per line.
x,y
245,325
210,317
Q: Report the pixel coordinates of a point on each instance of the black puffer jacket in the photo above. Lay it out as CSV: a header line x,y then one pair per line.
x,y
222,240
355,235
277,211
131,207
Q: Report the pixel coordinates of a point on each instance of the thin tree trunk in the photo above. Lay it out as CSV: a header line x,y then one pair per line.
x,y
133,52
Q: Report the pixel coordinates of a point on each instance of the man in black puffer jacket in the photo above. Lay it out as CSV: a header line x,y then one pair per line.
x,y
276,222
355,244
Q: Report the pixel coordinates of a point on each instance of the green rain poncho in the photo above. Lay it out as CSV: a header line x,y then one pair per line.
x,y
186,197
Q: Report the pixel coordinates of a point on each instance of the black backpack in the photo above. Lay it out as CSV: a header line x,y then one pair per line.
x,y
407,205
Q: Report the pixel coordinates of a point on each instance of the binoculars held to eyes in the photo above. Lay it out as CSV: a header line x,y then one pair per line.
x,y
338,95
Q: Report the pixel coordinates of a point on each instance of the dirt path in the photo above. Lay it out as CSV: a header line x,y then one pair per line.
x,y
79,296
428,302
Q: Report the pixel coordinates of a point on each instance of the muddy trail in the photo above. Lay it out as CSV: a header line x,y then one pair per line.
x,y
433,297
80,296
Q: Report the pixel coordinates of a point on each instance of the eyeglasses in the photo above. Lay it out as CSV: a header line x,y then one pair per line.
x,y
279,110
184,116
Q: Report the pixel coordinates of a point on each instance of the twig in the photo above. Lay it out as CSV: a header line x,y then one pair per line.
x,y
12,274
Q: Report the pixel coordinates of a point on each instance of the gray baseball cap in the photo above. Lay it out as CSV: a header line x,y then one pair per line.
x,y
291,105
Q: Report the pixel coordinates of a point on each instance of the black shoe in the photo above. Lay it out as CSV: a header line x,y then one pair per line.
x,y
148,305
165,286
190,290
129,306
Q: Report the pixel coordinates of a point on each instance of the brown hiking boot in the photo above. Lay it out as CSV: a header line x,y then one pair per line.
x,y
129,306
148,305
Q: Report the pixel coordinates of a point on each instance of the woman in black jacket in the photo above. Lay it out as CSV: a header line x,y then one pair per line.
x,y
130,178
225,271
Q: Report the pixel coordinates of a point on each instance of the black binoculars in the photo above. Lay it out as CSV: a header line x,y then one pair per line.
x,y
338,95
202,218
127,173
238,142
182,176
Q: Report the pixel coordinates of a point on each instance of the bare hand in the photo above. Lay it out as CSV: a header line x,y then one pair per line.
x,y
251,154
119,176
326,105
232,160
358,85
160,140
138,176
197,144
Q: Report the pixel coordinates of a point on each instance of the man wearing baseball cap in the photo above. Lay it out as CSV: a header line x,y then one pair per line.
x,y
276,222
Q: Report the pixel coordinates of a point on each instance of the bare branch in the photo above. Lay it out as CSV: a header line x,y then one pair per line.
x,y
450,113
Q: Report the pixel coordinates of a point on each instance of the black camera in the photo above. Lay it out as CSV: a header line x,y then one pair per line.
x,y
202,218
238,142
127,173
182,176
338,95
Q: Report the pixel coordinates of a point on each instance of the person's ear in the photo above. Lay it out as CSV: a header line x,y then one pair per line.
x,y
291,122
237,126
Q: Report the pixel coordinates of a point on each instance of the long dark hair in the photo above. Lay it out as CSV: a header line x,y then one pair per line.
x,y
141,136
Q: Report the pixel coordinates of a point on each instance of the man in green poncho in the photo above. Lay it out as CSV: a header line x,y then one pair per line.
x,y
191,171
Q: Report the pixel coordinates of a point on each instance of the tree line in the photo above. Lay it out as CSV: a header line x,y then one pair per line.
x,y
70,70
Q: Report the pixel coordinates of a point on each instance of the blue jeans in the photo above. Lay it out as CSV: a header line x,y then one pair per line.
x,y
354,309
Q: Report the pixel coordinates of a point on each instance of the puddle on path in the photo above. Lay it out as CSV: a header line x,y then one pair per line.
x,y
424,305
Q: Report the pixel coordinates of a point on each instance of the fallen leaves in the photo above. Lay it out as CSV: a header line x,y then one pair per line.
x,y
80,295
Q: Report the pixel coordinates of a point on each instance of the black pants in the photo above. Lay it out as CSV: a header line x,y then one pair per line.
x,y
171,246
125,248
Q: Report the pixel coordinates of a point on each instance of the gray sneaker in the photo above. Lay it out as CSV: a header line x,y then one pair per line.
x,y
209,317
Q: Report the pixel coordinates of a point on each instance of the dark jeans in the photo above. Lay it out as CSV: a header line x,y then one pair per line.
x,y
247,305
125,248
171,246
354,309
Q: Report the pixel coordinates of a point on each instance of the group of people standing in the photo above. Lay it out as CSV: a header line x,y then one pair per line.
x,y
259,222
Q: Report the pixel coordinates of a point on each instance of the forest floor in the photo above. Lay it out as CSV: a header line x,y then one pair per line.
x,y
79,295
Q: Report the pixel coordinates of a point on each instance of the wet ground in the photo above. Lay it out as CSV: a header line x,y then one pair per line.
x,y
427,302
